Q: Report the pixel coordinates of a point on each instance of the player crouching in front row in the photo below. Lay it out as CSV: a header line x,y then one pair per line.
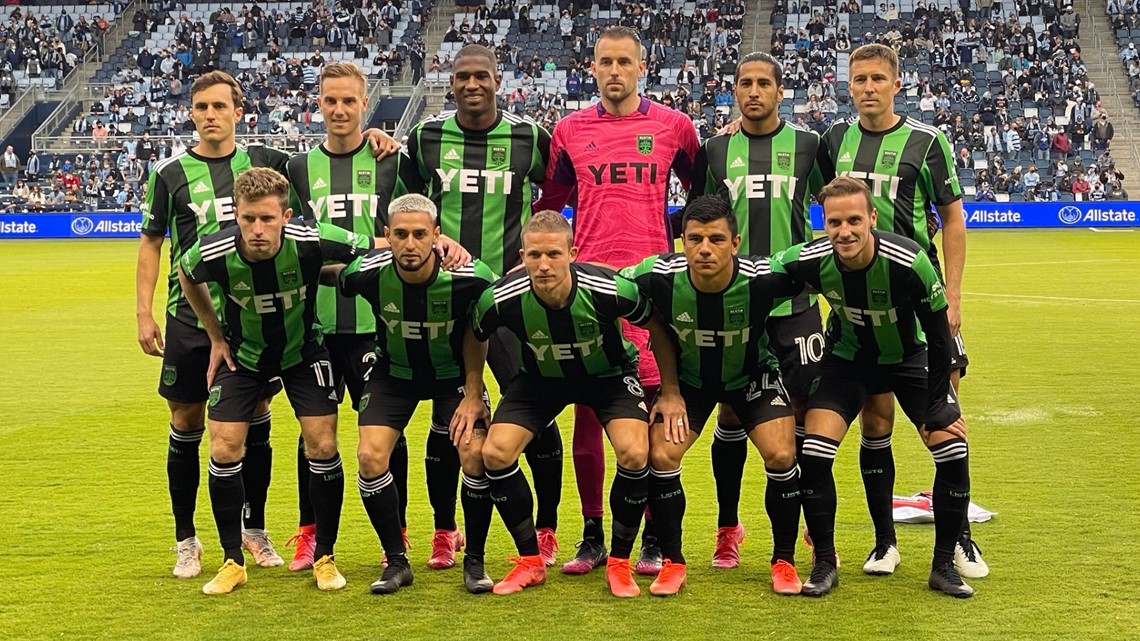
x,y
268,270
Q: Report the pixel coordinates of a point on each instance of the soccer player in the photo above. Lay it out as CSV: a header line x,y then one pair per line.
x,y
767,170
341,183
717,304
909,168
616,158
887,333
567,315
426,351
267,271
477,164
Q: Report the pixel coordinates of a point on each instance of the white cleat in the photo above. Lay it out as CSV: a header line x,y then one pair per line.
x,y
189,563
969,560
258,544
882,560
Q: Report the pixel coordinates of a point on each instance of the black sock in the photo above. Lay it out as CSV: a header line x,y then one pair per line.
x,y
544,456
475,496
592,529
648,527
326,489
398,466
382,503
877,464
256,471
729,452
628,496
817,488
182,473
801,432
304,505
667,500
441,460
226,497
951,495
782,502
511,494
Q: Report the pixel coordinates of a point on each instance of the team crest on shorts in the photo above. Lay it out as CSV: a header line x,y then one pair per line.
x,y
888,160
783,160
736,317
586,329
879,296
169,375
364,178
498,154
215,395
290,278
440,307
364,401
645,144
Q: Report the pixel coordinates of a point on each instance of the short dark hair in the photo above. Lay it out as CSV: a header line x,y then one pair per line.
x,y
707,209
477,51
845,186
619,32
211,78
760,56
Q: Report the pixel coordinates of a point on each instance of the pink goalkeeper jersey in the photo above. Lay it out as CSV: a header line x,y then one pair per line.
x,y
620,166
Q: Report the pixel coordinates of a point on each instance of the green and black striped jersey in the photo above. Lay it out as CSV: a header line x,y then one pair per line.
x,y
191,196
583,338
872,318
721,338
481,181
351,191
769,180
909,168
268,305
421,325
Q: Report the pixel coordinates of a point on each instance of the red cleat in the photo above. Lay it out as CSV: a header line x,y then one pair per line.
x,y
304,543
444,545
728,540
669,580
785,580
619,576
528,571
547,545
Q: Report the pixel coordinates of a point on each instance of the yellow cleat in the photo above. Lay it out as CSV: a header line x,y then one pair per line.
x,y
326,574
229,577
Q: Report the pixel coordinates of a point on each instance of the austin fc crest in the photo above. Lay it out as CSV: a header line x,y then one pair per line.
x,y
290,278
888,160
645,144
439,307
587,329
879,296
783,160
364,178
498,154
736,317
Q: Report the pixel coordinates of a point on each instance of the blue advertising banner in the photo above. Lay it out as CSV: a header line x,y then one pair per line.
x,y
69,225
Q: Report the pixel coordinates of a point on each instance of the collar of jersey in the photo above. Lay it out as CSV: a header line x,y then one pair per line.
x,y
771,134
642,108
347,154
896,127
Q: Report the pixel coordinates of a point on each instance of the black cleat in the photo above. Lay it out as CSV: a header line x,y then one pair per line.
x,y
945,578
591,554
649,564
824,578
475,577
398,574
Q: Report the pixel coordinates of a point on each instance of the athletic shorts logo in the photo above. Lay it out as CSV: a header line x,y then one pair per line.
x,y
736,317
888,160
879,296
783,160
587,329
1069,215
364,401
290,278
440,307
215,395
82,225
364,178
169,375
645,144
498,154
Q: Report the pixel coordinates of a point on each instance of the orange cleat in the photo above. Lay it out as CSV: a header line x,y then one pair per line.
x,y
547,545
669,580
784,579
304,543
619,576
528,571
728,540
444,545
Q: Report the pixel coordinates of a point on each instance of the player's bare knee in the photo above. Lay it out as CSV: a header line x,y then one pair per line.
x,y
780,458
226,450
873,423
633,456
373,461
187,417
664,458
496,457
471,457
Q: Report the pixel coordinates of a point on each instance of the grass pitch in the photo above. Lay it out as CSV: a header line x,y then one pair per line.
x,y
1049,320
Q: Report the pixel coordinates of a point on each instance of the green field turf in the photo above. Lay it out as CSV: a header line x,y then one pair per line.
x,y
1051,397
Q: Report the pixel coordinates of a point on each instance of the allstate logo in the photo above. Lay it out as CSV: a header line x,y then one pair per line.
x,y
1069,215
82,225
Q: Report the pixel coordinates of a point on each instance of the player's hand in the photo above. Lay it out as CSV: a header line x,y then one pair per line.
x,y
453,254
954,318
219,353
150,336
466,418
383,145
957,428
671,408
730,128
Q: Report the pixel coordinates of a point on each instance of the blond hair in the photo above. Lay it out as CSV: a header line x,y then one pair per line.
x,y
261,182
413,203
344,70
211,78
549,222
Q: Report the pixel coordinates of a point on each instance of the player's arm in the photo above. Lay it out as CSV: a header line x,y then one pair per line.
x,y
688,145
930,306
638,310
382,144
340,245
471,409
561,179
193,274
941,178
156,215
824,156
485,315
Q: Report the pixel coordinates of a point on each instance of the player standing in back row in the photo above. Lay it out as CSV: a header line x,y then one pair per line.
x,y
767,171
909,167
617,156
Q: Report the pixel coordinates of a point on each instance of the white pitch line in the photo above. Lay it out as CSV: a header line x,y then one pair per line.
x,y
1056,262
1057,298
1105,231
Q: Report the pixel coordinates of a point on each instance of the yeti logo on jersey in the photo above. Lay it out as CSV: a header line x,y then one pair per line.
x,y
712,338
882,185
889,159
736,317
565,351
864,317
290,277
645,144
341,205
223,209
476,181
498,155
364,178
783,160
586,329
416,330
440,307
264,303
879,296
759,185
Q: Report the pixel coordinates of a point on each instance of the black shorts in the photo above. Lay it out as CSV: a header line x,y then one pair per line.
x,y
844,385
534,402
308,385
504,356
958,358
797,342
763,399
185,361
390,402
352,356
